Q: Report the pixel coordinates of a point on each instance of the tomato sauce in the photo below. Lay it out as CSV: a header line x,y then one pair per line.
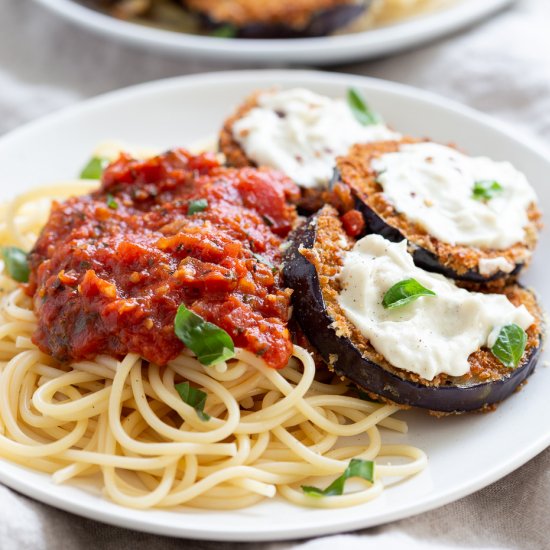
x,y
110,269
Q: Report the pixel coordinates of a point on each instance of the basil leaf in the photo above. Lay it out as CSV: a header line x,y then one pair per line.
x,y
356,468
94,169
485,190
16,262
198,205
510,345
208,342
404,292
225,31
361,111
111,202
267,220
193,397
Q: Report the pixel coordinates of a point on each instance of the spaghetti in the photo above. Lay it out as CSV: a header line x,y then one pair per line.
x,y
125,423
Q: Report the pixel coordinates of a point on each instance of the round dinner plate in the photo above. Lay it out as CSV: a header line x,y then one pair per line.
x,y
317,51
465,453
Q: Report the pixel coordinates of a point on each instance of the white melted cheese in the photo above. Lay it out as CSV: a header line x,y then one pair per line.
x,y
490,266
432,185
432,335
301,133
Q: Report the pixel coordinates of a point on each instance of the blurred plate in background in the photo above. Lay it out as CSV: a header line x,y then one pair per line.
x,y
316,51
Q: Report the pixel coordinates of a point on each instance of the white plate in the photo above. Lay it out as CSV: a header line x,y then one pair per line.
x,y
465,453
317,51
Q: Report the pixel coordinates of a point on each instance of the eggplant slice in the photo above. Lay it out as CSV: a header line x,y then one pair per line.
x,y
310,200
315,192
311,262
356,178
276,19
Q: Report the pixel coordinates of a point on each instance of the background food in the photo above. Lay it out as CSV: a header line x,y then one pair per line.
x,y
167,14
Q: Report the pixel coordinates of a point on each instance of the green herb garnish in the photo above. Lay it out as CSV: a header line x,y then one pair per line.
x,y
193,397
16,262
510,345
111,202
268,221
208,342
94,169
485,190
405,292
361,111
225,31
356,468
196,206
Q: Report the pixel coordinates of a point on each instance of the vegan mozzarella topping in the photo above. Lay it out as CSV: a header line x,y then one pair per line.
x,y
433,185
490,266
432,335
301,133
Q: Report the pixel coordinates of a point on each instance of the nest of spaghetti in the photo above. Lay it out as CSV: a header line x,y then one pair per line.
x,y
150,349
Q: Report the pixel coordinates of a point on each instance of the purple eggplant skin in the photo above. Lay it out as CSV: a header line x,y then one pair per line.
x,y
422,258
322,23
310,312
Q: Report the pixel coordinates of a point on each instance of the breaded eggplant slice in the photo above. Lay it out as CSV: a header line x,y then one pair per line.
x,y
306,132
311,265
361,190
276,19
311,199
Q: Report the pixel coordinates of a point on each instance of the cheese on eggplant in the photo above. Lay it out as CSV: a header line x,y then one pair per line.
x,y
301,133
490,266
431,335
433,186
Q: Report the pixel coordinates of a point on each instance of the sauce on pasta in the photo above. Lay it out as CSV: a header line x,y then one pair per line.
x,y
110,268
122,422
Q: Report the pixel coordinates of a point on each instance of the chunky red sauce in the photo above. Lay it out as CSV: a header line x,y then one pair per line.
x,y
353,223
111,268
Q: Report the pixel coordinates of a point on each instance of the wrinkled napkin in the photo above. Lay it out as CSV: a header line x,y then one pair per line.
x,y
501,67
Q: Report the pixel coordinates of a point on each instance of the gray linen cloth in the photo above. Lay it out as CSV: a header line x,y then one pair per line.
x,y
501,67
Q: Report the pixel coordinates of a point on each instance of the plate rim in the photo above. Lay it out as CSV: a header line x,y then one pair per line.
x,y
122,518
519,133
320,50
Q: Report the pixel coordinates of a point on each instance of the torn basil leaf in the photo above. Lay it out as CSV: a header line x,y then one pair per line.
x,y
361,111
196,206
111,202
356,468
208,342
94,169
510,345
16,262
193,397
485,190
405,292
225,31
